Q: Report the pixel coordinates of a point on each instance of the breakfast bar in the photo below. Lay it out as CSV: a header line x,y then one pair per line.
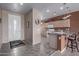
x,y
57,40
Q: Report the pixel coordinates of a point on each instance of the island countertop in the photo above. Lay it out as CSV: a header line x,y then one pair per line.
x,y
60,39
56,33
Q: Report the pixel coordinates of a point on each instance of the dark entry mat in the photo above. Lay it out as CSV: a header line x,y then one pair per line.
x,y
16,43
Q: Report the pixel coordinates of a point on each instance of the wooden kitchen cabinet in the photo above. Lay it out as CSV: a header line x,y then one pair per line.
x,y
61,42
60,23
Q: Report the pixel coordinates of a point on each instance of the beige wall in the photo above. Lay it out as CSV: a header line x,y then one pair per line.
x,y
0,30
33,33
28,30
36,27
0,34
22,27
5,25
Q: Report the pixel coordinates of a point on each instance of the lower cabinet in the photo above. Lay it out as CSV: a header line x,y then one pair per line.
x,y
57,41
53,41
61,42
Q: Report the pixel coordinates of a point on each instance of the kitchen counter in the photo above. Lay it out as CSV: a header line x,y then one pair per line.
x,y
57,40
57,33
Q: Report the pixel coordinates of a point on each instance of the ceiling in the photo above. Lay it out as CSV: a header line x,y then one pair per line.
x,y
48,9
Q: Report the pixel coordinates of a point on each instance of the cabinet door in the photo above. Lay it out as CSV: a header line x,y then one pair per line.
x,y
61,42
53,41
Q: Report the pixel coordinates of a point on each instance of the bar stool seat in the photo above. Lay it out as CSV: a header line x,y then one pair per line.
x,y
73,42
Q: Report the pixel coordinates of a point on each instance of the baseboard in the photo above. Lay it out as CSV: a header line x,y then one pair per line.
x,y
63,50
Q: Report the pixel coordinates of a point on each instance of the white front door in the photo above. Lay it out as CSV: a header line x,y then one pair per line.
x,y
14,25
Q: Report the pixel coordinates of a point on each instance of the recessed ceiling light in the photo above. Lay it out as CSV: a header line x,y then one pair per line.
x,y
61,8
47,10
21,3
54,14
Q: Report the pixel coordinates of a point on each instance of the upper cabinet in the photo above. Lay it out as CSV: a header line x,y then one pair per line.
x,y
67,23
60,23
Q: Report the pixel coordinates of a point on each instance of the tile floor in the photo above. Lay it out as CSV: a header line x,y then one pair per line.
x,y
26,50
42,49
37,50
66,53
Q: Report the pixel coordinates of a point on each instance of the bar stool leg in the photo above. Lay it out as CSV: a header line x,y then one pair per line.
x,y
67,44
72,46
77,46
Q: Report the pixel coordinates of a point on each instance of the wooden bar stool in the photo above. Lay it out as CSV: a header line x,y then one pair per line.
x,y
72,39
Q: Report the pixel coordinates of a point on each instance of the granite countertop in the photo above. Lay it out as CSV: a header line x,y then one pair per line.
x,y
56,33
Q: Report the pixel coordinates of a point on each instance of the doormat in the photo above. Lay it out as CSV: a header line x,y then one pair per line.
x,y
16,43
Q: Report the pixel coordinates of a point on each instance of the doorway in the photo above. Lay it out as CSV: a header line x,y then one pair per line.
x,y
14,26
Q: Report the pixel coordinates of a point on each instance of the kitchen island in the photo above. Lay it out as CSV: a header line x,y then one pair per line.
x,y
57,40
